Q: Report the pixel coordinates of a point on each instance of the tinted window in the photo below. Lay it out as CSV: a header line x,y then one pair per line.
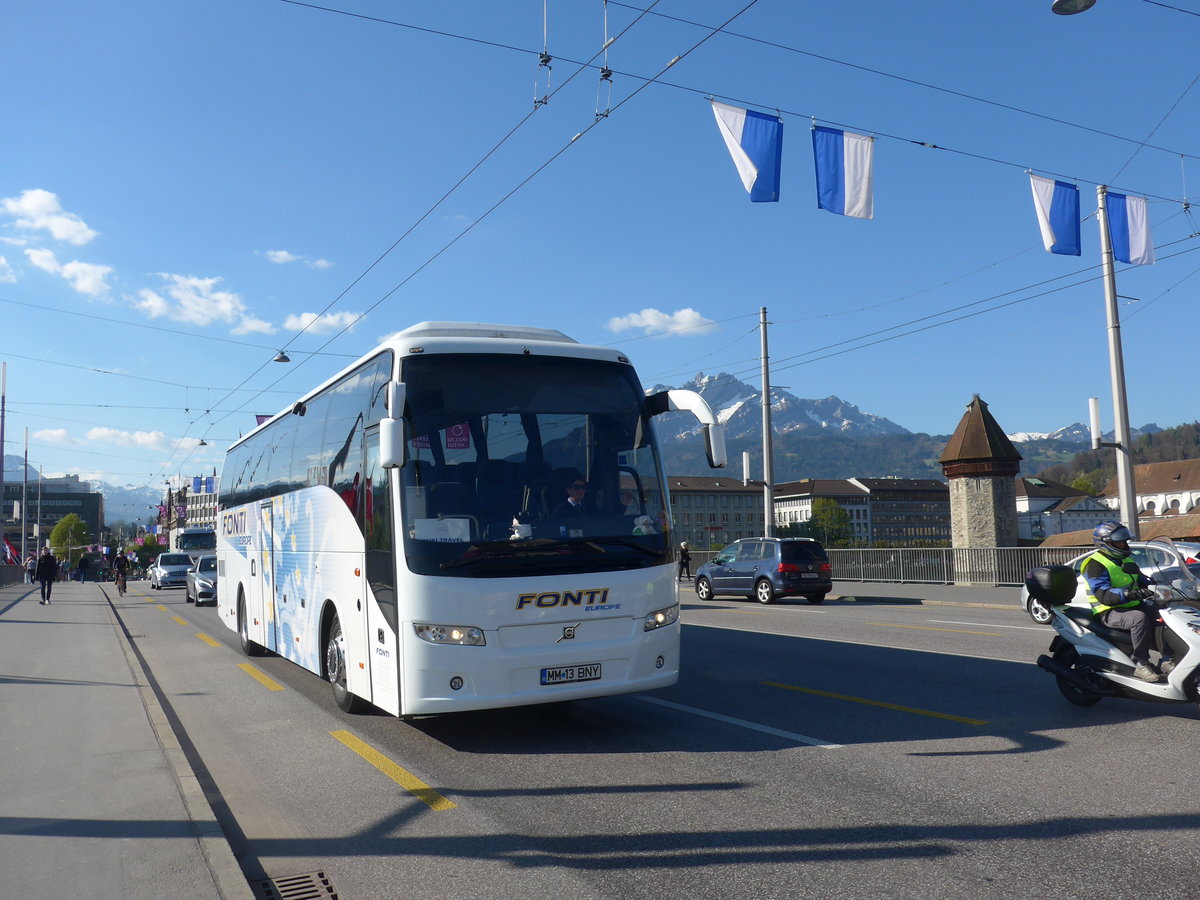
x,y
803,551
174,559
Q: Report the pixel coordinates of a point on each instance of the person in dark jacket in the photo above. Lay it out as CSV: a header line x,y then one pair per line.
x,y
47,574
685,562
576,489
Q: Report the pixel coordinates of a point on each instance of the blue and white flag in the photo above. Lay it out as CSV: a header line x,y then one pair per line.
x,y
755,142
1057,204
845,177
1129,228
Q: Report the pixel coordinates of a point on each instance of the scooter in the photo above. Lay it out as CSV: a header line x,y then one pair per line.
x,y
1091,661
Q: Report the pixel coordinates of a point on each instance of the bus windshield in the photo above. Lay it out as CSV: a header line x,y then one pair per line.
x,y
528,465
197,540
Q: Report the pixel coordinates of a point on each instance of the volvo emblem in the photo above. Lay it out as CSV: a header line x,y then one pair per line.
x,y
568,633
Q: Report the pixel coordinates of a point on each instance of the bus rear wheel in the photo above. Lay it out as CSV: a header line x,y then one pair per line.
x,y
335,669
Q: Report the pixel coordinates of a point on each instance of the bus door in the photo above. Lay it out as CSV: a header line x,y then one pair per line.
x,y
376,518
267,586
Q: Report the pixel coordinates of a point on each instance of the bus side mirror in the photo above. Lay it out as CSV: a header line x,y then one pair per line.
x,y
391,428
690,401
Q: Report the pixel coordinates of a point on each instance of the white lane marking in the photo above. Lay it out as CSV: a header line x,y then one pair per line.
x,y
742,723
990,625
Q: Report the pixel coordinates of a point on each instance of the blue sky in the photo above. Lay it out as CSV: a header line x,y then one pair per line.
x,y
185,185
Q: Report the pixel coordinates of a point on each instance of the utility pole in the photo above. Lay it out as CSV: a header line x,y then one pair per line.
x,y
1125,486
768,471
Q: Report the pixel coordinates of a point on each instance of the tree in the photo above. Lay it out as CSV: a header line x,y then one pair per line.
x,y
69,538
148,551
830,523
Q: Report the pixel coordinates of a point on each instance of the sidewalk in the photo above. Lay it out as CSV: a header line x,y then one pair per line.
x,y
99,800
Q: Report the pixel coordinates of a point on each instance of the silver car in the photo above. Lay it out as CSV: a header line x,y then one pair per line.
x,y
201,584
1173,566
169,570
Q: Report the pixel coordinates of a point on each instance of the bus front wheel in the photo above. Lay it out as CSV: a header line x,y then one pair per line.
x,y
335,669
249,647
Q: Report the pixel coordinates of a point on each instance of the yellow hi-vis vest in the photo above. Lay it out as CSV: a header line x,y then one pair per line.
x,y
1117,577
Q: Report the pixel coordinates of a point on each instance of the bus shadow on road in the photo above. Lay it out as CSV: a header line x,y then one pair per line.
x,y
745,691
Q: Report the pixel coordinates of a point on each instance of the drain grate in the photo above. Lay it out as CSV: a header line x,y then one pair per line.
x,y
312,886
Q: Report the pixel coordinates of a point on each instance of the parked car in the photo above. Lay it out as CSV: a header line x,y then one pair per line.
x,y
1168,563
201,583
169,570
766,568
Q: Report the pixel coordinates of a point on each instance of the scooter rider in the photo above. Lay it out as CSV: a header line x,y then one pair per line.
x,y
1121,597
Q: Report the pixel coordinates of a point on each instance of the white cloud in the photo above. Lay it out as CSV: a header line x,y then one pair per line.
x,y
681,323
38,210
199,301
6,273
319,325
152,304
138,440
251,325
45,260
283,257
86,278
55,436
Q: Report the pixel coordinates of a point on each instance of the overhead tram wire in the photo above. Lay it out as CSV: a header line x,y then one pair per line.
x,y
582,67
518,187
191,335
1015,302
923,84
537,105
768,106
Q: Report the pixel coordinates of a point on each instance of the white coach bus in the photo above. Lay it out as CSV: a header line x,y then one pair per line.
x,y
402,530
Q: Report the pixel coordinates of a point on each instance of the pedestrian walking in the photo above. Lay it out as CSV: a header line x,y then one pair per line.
x,y
30,568
685,562
47,573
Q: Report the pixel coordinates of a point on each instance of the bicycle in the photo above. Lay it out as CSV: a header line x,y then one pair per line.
x,y
121,583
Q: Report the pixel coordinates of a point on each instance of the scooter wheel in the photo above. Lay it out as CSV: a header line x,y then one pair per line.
x,y
1074,694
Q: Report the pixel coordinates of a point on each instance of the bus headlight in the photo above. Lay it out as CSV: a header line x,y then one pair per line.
x,y
466,635
661,617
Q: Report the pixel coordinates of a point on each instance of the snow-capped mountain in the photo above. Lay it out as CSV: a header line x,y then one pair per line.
x,y
738,408
1078,433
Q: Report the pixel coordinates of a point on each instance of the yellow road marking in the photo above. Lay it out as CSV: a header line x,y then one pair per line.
x,y
927,628
750,612
180,620
259,676
204,637
406,780
879,703
163,608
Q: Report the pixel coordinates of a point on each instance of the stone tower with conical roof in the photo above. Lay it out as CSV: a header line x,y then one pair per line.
x,y
981,464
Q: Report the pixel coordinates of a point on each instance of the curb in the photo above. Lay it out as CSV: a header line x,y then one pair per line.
x,y
227,875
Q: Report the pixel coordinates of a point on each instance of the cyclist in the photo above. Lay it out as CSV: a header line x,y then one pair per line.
x,y
120,569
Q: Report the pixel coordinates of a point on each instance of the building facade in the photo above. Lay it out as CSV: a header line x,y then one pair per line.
x,y
712,512
46,503
794,500
882,511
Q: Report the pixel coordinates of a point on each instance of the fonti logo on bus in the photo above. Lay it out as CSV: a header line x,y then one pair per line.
x,y
588,599
233,523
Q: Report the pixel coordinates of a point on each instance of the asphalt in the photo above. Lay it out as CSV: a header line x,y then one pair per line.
x,y
99,799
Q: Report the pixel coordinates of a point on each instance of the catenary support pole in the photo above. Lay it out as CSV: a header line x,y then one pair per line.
x,y
1125,486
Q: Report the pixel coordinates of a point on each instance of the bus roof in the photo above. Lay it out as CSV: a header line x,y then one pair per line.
x,y
464,337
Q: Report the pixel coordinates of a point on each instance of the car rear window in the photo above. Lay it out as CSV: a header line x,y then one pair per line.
x,y
804,551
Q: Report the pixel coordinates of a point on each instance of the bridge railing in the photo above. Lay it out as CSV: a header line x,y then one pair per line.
x,y
999,566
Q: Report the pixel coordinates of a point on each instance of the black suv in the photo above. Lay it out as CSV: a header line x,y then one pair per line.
x,y
767,567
